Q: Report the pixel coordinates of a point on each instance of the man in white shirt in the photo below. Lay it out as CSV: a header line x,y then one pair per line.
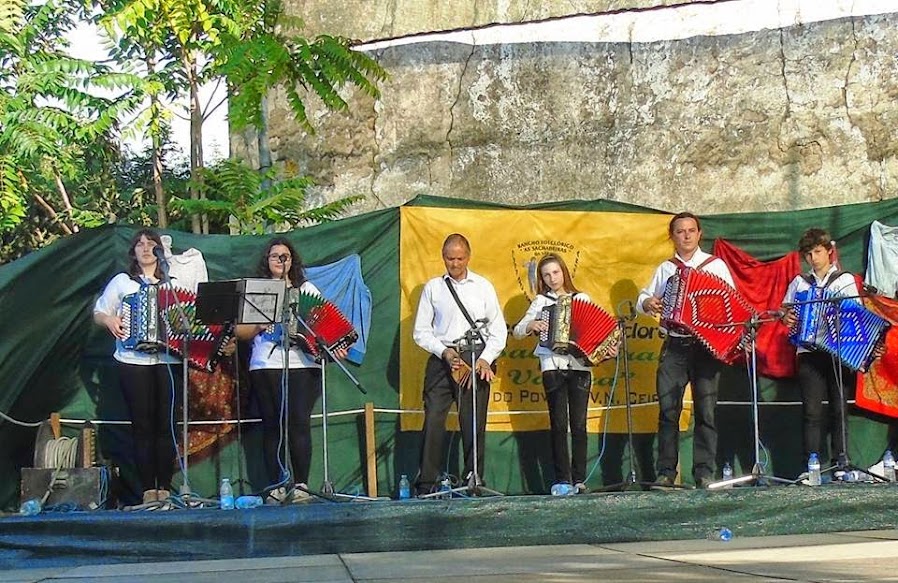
x,y
440,325
684,360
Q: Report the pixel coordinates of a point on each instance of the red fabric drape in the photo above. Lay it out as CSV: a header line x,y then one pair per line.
x,y
877,389
763,284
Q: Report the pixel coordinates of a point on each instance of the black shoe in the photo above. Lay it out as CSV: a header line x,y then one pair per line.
x,y
664,481
703,482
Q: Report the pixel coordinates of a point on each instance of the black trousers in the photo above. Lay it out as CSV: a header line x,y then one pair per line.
x,y
440,391
147,390
685,360
817,379
303,391
567,394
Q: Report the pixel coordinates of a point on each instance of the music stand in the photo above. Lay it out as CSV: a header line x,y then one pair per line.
x,y
474,485
757,477
239,301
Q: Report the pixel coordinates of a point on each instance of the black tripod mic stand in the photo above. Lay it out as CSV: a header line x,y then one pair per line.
x,y
758,476
327,488
473,485
631,482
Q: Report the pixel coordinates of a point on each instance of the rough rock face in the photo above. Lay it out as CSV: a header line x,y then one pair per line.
x,y
772,120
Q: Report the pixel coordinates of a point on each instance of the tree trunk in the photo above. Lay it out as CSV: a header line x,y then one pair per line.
x,y
156,151
199,224
262,140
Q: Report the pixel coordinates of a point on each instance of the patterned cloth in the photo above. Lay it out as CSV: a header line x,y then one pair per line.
x,y
877,389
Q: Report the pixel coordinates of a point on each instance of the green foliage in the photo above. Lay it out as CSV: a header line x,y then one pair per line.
x,y
270,54
245,200
55,131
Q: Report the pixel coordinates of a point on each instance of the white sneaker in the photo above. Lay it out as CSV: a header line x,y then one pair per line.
x,y
300,495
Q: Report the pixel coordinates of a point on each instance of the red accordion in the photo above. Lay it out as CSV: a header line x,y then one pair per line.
x,y
326,321
705,306
151,320
581,328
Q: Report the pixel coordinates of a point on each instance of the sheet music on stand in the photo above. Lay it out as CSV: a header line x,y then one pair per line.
x,y
241,301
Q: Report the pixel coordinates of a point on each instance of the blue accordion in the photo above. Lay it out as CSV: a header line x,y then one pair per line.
x,y
841,326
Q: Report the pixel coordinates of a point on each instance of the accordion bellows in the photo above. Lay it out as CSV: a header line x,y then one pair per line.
x,y
580,328
706,307
151,320
324,319
843,327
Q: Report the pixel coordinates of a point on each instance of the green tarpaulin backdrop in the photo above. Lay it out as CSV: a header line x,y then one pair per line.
x,y
53,358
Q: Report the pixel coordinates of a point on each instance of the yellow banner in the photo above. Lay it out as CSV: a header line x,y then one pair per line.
x,y
611,257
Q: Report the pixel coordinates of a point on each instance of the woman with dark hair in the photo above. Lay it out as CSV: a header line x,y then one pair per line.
x,y
566,379
276,375
147,380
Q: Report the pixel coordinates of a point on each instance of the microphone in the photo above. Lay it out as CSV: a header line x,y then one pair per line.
x,y
159,252
283,257
870,290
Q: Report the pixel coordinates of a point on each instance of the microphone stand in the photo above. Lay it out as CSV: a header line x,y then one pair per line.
x,y
757,477
630,482
843,462
474,485
327,489
185,491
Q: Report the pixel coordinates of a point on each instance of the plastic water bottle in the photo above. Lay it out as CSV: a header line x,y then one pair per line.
x,y
244,502
723,534
30,507
562,489
445,489
888,466
226,495
405,489
813,470
727,473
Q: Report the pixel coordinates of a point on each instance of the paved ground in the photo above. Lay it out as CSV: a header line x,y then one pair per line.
x,y
851,556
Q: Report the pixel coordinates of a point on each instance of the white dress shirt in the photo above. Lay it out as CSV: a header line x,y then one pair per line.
x,y
669,268
548,360
439,322
845,285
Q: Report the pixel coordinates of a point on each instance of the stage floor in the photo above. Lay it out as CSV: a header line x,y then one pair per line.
x,y
837,557
67,540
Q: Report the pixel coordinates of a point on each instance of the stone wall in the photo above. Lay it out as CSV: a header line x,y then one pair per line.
x,y
771,120
372,19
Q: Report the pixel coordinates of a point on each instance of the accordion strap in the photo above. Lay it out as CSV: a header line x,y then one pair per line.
x,y
829,280
461,306
680,265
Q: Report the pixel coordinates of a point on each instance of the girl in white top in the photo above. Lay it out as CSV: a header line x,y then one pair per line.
x,y
268,372
566,379
146,379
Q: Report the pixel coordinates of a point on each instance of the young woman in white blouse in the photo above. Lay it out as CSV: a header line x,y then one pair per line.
x,y
268,368
145,378
566,379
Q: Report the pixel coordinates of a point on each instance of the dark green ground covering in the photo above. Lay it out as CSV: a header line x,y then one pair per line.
x,y
354,527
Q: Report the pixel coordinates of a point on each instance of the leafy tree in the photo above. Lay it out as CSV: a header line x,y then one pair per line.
x,y
248,44
58,138
244,200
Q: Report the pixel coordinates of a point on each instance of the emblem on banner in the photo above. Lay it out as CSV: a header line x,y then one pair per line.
x,y
526,255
